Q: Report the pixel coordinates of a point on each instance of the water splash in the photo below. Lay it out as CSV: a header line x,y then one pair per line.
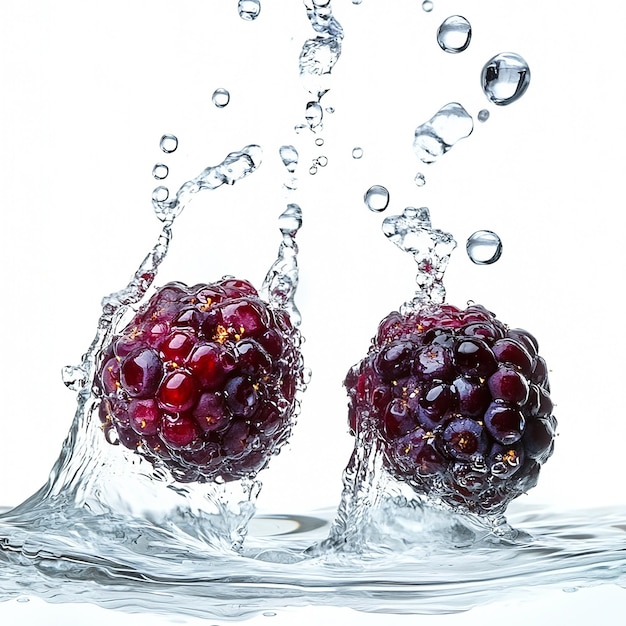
x,y
236,165
412,232
319,56
454,34
439,134
249,10
505,78
220,97
376,198
484,247
281,282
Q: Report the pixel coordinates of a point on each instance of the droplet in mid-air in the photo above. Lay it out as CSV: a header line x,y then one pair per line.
x,y
168,143
357,153
160,171
484,247
319,141
249,9
454,34
427,6
436,136
505,78
376,198
289,156
313,115
483,115
420,179
221,97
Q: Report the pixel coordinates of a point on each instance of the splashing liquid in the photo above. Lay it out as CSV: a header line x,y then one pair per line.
x,y
439,134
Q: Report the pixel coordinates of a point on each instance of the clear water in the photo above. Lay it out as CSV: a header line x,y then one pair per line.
x,y
505,78
249,10
483,115
81,538
220,97
420,179
441,132
376,198
160,171
454,34
484,247
357,153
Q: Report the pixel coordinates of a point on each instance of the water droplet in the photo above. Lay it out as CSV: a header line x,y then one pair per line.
x,y
505,78
249,9
290,220
168,143
269,614
160,171
483,115
22,599
322,161
436,136
484,247
160,194
376,198
319,141
427,6
330,110
313,170
420,179
356,1
454,34
313,115
289,156
357,153
221,97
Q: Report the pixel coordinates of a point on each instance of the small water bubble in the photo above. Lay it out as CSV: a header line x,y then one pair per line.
x,y
454,34
420,179
376,198
221,97
357,153
22,599
160,171
484,247
505,78
483,115
319,141
249,9
160,194
289,156
436,136
313,170
168,143
269,614
356,1
427,6
330,110
322,161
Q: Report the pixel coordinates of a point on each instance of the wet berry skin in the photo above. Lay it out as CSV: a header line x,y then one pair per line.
x,y
460,404
202,380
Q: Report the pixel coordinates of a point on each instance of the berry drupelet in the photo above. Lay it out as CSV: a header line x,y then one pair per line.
x,y
202,380
460,404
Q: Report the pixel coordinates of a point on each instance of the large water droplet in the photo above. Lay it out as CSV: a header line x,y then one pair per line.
x,y
221,97
454,34
289,156
376,198
160,171
505,78
435,137
168,143
484,247
249,9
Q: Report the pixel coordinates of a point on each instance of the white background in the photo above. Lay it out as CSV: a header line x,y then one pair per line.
x,y
87,90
